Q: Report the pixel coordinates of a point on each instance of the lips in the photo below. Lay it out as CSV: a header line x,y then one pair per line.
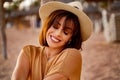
x,y
54,39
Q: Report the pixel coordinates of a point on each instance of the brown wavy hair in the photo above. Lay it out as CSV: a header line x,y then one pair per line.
x,y
76,40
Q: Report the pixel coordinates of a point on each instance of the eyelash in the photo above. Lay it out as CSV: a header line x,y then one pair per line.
x,y
66,33
55,27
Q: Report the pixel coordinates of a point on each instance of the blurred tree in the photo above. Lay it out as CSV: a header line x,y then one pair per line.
x,y
35,3
103,3
3,45
44,1
15,5
8,0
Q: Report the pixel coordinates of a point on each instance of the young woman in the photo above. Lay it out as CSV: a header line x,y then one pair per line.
x,y
64,28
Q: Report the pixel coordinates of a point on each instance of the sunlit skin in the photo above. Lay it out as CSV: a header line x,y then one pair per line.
x,y
58,36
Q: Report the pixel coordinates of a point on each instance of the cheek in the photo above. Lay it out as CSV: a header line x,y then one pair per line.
x,y
49,31
67,38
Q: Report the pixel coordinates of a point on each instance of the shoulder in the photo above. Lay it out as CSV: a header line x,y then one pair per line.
x,y
30,50
31,47
72,53
73,56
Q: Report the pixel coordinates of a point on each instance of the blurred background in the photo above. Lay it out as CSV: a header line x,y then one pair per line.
x,y
20,25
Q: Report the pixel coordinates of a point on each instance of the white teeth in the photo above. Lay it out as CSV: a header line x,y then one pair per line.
x,y
54,39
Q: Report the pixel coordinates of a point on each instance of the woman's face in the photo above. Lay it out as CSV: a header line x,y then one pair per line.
x,y
59,33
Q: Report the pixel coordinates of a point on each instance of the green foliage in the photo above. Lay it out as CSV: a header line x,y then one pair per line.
x,y
36,3
103,4
14,5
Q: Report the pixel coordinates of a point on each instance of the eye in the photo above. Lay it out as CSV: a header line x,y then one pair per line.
x,y
66,32
55,26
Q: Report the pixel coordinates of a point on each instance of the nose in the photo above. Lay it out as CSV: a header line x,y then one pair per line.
x,y
58,32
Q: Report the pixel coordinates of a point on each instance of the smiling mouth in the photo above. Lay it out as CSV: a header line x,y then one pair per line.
x,y
54,39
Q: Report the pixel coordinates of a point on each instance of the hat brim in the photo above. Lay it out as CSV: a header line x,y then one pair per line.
x,y
85,23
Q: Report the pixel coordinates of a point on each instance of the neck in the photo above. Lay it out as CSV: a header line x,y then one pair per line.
x,y
51,52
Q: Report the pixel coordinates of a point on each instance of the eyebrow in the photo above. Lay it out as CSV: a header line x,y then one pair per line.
x,y
57,22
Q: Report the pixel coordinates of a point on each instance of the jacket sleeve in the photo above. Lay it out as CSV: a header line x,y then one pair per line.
x,y
22,66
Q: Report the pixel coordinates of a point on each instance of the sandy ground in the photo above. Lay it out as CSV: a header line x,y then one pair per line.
x,y
101,61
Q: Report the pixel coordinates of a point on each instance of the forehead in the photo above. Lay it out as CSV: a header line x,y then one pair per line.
x,y
67,22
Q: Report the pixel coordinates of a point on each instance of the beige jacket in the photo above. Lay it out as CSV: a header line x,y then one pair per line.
x,y
68,62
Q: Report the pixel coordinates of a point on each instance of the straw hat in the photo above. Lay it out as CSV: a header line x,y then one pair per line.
x,y
74,7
